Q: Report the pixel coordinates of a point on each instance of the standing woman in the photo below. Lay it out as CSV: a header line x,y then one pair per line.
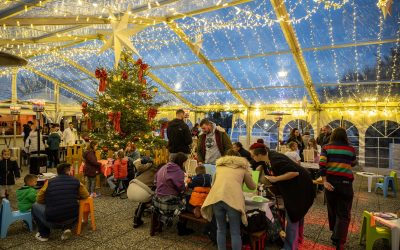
x,y
295,185
92,167
296,137
226,199
337,158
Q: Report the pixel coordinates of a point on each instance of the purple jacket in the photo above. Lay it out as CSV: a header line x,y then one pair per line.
x,y
170,180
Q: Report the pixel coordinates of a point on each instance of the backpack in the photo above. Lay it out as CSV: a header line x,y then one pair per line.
x,y
257,221
274,227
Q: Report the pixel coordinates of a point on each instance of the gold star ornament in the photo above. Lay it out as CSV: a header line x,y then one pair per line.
x,y
120,37
385,6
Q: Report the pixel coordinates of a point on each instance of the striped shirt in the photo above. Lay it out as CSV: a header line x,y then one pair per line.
x,y
337,160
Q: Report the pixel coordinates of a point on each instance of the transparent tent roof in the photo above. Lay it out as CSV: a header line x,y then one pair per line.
x,y
251,53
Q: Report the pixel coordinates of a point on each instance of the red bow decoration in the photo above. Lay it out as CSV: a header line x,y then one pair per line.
x,y
124,75
164,126
151,113
102,75
142,68
85,114
115,118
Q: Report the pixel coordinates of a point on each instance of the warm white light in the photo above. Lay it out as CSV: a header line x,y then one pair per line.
x,y
178,86
282,74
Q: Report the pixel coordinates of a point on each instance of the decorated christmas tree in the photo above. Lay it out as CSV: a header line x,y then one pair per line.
x,y
124,109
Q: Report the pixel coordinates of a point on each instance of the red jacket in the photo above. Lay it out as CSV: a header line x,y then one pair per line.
x,y
120,168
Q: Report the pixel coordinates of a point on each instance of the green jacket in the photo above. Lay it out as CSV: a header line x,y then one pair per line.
x,y
222,139
26,196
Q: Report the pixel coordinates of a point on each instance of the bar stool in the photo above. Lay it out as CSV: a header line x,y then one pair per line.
x,y
86,207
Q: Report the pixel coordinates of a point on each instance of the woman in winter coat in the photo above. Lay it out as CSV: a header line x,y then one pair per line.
x,y
296,137
92,167
226,197
8,172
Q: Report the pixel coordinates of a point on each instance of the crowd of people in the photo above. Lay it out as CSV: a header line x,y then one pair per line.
x,y
215,197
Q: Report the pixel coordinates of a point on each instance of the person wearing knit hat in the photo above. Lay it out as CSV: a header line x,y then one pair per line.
x,y
201,185
296,187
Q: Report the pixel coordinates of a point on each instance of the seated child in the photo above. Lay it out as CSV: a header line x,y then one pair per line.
x,y
293,154
8,172
26,195
201,185
120,169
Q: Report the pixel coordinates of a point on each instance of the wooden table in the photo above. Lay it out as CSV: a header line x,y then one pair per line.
x,y
370,176
394,225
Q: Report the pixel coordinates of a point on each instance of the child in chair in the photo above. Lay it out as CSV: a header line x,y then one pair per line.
x,y
293,153
201,185
9,170
120,169
26,195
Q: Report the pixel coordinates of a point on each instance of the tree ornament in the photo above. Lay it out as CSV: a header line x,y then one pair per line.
x,y
120,36
124,75
142,70
101,74
151,113
155,90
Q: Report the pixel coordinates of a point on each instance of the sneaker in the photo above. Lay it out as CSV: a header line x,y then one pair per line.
x,y
66,234
41,238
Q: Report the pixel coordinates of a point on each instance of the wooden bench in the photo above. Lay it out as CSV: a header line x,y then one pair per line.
x,y
186,216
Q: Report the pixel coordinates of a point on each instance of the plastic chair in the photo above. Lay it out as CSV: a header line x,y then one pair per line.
x,y
255,176
370,232
388,181
392,174
86,207
8,217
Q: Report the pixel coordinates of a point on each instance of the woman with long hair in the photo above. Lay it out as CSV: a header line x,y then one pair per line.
x,y
337,159
92,167
296,137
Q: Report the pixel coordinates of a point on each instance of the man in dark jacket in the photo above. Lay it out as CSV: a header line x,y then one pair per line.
x,y
179,136
212,143
27,129
327,131
57,203
53,142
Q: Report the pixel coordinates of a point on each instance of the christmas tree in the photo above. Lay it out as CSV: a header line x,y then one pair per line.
x,y
124,109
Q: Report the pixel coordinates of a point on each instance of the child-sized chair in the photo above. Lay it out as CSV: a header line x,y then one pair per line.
x,y
86,207
370,232
8,217
388,181
255,176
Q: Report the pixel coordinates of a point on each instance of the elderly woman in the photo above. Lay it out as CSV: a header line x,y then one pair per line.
x,y
226,197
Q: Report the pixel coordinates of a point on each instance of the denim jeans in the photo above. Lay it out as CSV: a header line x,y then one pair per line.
x,y
38,213
221,210
339,202
294,233
91,184
110,181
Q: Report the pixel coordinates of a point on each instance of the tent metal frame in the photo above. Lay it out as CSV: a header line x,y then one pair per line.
x,y
8,18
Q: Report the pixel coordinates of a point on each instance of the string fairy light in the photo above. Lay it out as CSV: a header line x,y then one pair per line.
x,y
379,57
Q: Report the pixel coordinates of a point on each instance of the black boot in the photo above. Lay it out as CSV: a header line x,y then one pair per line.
x,y
137,219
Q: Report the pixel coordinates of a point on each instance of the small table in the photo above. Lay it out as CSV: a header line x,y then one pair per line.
x,y
394,225
263,206
370,176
